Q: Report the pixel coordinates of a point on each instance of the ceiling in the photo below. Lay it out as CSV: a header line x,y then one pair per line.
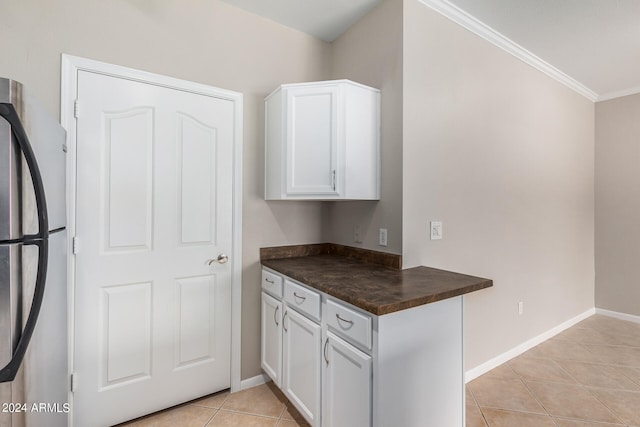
x,y
592,46
596,42
324,19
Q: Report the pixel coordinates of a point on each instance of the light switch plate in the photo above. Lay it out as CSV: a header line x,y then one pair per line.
x,y
436,230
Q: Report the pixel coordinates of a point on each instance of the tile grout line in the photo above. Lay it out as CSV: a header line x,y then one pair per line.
x,y
587,343
615,414
524,383
637,382
520,411
479,407
620,424
271,417
282,412
211,418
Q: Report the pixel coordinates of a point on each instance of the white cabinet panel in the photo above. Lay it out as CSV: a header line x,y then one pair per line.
x,y
195,301
127,187
302,340
420,369
197,143
271,334
312,135
347,385
126,333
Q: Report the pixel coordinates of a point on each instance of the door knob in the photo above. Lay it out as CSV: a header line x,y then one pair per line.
x,y
222,259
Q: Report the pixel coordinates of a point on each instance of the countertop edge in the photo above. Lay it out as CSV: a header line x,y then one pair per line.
x,y
392,307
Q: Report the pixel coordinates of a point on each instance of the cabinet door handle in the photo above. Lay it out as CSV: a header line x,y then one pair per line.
x,y
326,359
334,180
298,296
344,320
275,315
284,317
268,280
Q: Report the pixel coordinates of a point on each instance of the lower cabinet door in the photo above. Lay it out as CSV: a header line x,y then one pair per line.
x,y
301,364
347,388
271,337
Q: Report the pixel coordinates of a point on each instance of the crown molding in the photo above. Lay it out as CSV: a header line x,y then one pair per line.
x,y
619,94
481,29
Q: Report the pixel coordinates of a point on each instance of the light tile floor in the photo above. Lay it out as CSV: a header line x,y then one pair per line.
x,y
587,376
261,406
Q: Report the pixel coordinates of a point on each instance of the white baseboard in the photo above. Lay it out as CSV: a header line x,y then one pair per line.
x,y
254,381
618,315
474,373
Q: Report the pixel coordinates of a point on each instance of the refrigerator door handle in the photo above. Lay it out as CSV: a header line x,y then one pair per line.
x,y
8,111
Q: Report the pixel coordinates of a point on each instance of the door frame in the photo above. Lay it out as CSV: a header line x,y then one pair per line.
x,y
71,65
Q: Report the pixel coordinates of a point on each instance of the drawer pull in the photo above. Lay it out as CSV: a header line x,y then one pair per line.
x,y
326,359
344,320
268,280
275,315
284,317
298,296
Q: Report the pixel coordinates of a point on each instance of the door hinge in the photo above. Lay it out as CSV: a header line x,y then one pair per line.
x,y
76,108
75,245
72,382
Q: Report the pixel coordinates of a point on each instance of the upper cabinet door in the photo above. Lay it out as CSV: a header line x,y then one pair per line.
x,y
322,142
312,135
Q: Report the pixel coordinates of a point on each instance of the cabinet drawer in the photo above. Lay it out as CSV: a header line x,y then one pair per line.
x,y
302,299
350,324
272,283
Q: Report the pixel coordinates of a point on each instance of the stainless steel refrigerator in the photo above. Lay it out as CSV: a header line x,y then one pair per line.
x,y
34,379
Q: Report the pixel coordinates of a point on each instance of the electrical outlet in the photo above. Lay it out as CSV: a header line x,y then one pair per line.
x,y
520,308
357,233
436,230
383,237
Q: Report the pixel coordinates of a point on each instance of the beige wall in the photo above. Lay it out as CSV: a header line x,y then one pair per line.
x,y
370,52
618,204
504,156
206,41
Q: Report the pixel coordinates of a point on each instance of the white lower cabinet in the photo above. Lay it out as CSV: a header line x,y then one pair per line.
x,y
302,341
341,366
346,398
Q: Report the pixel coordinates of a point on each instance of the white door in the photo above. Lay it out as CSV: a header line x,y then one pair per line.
x,y
302,340
153,207
347,385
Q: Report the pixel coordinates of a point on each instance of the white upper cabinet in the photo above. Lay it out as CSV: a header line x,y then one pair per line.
x,y
322,142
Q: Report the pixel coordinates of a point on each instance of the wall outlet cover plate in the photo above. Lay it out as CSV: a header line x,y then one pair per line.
x,y
436,230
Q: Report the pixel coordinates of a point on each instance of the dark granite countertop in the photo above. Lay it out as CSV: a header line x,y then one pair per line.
x,y
371,286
